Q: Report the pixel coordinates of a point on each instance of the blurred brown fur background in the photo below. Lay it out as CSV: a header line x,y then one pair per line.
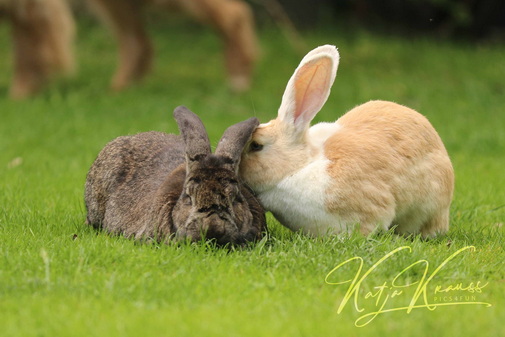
x,y
231,19
43,31
42,38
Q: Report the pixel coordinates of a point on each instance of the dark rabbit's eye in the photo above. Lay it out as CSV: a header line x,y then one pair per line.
x,y
196,180
255,146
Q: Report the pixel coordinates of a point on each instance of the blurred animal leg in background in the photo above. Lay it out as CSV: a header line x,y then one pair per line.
x,y
135,51
43,33
234,21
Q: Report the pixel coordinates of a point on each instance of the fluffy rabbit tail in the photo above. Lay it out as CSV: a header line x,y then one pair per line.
x,y
309,87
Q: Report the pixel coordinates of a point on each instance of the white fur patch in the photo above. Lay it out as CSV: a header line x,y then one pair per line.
x,y
298,201
318,134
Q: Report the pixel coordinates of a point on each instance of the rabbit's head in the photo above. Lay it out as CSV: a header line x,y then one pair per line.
x,y
213,203
283,146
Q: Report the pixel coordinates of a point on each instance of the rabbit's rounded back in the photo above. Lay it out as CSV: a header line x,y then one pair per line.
x,y
380,164
125,173
156,185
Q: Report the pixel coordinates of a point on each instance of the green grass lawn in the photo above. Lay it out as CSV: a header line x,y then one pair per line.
x,y
60,278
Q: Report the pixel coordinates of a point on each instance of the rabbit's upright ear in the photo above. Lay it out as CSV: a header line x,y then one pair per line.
x,y
194,134
234,140
309,87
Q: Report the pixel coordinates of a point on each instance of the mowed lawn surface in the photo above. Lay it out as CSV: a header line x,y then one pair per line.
x,y
60,278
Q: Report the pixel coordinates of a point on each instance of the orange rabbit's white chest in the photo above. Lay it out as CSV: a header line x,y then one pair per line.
x,y
298,201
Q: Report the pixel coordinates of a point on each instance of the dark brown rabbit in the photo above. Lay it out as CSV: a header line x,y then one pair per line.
x,y
157,186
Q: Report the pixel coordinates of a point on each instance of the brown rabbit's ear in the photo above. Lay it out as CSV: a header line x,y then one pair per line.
x,y
194,134
234,139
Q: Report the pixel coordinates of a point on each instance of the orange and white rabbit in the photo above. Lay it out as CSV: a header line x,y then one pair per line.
x,y
379,165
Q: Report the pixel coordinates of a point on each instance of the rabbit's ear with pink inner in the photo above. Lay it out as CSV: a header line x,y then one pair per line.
x,y
309,87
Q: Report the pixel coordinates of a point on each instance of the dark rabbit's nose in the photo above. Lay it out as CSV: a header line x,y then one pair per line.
x,y
215,227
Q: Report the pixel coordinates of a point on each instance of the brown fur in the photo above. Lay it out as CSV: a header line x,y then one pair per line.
x,y
42,33
157,186
232,19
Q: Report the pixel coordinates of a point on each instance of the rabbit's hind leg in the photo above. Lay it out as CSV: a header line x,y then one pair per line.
x,y
437,224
